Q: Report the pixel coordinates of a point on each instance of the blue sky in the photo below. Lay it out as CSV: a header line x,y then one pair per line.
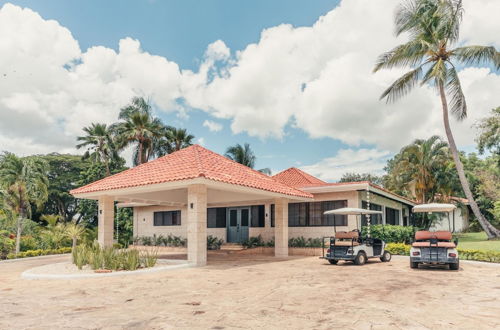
x,y
302,94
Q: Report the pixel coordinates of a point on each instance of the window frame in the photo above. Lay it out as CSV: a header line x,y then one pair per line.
x,y
164,218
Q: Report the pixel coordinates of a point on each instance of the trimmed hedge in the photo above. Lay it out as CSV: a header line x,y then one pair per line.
x,y
36,253
466,254
390,233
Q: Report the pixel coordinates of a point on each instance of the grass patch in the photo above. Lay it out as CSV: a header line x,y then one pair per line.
x,y
477,241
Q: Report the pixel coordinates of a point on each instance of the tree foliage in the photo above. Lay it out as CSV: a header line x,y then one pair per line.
x,y
358,177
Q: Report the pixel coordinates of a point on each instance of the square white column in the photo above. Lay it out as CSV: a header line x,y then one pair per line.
x,y
197,224
106,219
281,227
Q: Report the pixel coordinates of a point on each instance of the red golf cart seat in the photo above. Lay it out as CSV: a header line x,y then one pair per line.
x,y
346,234
443,238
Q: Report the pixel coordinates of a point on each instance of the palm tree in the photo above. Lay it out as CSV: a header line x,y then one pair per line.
x,y
433,28
139,127
74,232
99,143
244,155
24,182
422,160
51,219
173,140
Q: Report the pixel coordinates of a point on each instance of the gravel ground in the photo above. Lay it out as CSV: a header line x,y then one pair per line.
x,y
257,292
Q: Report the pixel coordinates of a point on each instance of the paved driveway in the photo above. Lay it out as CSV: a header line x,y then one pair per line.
x,y
257,292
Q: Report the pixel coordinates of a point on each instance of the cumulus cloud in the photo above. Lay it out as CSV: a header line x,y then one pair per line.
x,y
316,78
212,125
349,160
50,89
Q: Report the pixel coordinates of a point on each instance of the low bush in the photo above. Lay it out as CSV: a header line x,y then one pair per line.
x,y
398,248
390,233
112,258
253,241
7,244
36,253
467,254
302,242
160,240
214,243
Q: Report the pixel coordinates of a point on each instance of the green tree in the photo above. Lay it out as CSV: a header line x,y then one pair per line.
x,y
138,128
433,27
173,140
358,177
98,140
74,232
489,133
24,182
244,155
64,175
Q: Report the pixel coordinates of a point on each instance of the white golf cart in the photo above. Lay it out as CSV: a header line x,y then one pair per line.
x,y
350,246
434,247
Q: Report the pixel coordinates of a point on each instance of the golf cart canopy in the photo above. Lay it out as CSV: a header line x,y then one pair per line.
x,y
352,211
434,207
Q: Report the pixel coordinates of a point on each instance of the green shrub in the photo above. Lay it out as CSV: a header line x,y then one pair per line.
x,y
214,243
302,242
131,260
253,242
39,252
148,258
398,248
7,244
170,240
390,233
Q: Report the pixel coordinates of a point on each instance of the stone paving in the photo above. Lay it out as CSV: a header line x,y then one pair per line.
x,y
256,292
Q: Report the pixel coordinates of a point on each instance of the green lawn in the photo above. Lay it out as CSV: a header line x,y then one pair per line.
x,y
477,241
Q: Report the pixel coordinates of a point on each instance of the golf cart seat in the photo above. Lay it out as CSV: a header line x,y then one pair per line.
x,y
442,238
346,243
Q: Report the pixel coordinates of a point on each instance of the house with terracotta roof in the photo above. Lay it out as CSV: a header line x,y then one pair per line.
x,y
195,192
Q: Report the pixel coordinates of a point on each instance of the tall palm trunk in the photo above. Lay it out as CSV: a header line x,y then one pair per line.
x,y
19,230
490,230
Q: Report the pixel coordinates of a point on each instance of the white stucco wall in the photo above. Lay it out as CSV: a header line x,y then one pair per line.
x,y
143,219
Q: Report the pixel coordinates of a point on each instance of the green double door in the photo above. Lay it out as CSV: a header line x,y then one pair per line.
x,y
239,221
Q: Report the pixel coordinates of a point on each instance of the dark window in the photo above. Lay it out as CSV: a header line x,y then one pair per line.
x,y
233,218
216,217
297,214
312,214
167,218
258,216
272,215
375,219
244,217
391,216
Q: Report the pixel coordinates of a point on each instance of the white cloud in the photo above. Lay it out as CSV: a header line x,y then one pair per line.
x,y
316,78
200,141
212,125
320,79
49,89
347,161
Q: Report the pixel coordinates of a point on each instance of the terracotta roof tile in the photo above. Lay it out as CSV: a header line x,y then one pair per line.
x,y
190,163
294,177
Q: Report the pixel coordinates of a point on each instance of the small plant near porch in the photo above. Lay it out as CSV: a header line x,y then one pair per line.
x,y
112,259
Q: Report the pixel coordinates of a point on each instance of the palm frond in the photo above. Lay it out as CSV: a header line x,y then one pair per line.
x,y
403,85
477,55
410,54
437,72
458,104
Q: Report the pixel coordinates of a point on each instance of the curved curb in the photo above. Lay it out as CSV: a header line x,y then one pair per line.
x,y
29,275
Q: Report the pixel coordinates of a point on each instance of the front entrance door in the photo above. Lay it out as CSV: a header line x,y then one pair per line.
x,y
239,220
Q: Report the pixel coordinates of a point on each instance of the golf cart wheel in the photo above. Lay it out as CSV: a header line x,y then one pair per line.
x,y
333,261
360,259
386,256
455,266
413,265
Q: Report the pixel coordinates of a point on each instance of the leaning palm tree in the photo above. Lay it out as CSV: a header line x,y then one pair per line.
x,y
139,128
173,140
244,155
23,182
433,29
99,143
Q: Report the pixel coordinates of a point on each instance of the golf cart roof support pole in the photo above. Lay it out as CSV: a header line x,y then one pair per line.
x,y
368,216
453,221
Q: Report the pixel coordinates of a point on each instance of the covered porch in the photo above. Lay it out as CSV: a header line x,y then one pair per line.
x,y
192,180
